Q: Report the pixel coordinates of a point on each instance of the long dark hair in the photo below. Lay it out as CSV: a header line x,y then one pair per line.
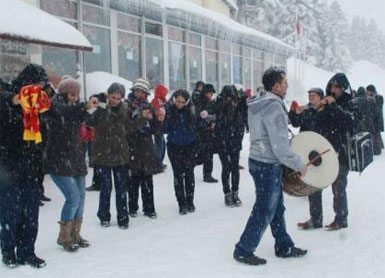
x,y
226,108
173,110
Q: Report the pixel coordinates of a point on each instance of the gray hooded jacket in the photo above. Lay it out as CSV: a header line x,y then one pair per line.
x,y
269,141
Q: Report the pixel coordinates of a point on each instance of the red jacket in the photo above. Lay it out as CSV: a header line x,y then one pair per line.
x,y
160,97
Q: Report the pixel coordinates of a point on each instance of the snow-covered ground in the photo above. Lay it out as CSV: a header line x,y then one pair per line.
x,y
201,244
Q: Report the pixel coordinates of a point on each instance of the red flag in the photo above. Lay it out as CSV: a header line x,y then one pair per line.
x,y
298,27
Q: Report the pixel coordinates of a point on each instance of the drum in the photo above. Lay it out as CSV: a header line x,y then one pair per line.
x,y
322,160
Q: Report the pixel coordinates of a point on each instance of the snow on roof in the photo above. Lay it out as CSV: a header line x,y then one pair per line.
x,y
99,81
221,19
25,22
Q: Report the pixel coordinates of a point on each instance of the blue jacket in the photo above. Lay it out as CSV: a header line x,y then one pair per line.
x,y
178,128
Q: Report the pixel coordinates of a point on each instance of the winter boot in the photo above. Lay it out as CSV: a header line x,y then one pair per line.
x,y
209,179
33,261
65,238
309,225
9,260
236,200
190,206
250,260
293,252
76,237
229,200
334,226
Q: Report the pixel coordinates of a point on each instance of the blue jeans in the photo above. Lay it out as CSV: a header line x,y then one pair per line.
x,y
121,181
160,148
73,189
268,210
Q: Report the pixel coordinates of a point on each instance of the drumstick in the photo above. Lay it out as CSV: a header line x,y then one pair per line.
x,y
313,160
318,156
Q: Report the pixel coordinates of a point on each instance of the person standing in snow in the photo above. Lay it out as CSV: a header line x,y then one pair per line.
x,y
336,91
205,122
196,97
323,116
378,144
143,160
111,153
228,134
269,149
64,160
181,139
158,103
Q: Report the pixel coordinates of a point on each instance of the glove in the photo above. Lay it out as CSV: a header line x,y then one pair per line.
x,y
294,105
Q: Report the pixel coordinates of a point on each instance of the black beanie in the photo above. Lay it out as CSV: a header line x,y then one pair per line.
x,y
116,88
208,88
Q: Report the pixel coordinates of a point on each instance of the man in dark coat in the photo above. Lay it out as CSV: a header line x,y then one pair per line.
x,y
20,167
205,116
378,144
196,96
366,108
326,118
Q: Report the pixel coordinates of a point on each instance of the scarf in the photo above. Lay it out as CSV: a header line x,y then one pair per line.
x,y
33,101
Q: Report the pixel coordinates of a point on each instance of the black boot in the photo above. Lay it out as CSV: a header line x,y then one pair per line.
x,y
237,202
293,252
229,200
34,261
10,261
190,206
93,187
209,179
44,198
251,260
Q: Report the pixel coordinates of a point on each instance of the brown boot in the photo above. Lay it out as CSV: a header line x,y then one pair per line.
x,y
76,237
65,238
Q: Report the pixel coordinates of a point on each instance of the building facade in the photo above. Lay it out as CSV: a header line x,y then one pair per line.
x,y
175,43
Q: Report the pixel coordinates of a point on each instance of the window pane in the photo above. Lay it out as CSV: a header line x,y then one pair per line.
x,y
246,52
257,72
247,73
237,49
212,68
268,59
225,46
95,2
195,66
211,43
100,58
177,66
153,28
129,23
130,57
237,70
257,55
154,61
194,39
59,61
176,34
14,56
225,69
60,8
96,15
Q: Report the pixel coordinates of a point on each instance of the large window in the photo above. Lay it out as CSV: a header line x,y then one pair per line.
x,y
100,58
237,64
59,61
14,56
195,66
225,69
154,61
177,66
212,68
130,55
67,9
257,72
247,73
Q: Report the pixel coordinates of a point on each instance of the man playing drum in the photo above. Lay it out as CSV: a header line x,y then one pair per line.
x,y
269,149
324,116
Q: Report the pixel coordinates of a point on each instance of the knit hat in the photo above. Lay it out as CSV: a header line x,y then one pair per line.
x,y
208,88
116,88
141,84
161,92
68,85
31,74
318,91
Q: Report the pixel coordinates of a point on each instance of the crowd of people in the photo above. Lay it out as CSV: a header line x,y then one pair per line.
x,y
47,130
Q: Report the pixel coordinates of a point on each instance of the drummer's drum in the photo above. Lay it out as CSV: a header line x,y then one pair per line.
x,y
321,173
